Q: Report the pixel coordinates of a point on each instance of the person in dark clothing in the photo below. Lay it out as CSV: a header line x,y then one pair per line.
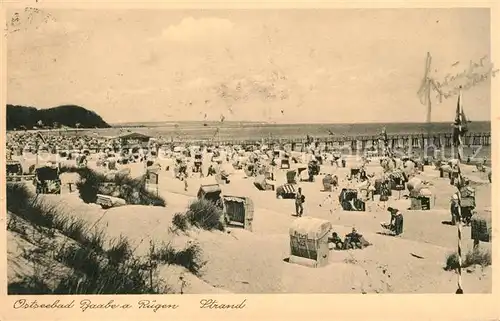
x,y
396,223
185,183
454,209
211,170
310,172
336,240
352,240
299,200
362,174
385,191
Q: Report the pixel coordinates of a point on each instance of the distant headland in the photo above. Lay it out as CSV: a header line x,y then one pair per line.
x,y
26,117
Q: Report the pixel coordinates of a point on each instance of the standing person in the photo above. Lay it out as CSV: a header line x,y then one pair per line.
x,y
201,171
299,201
385,191
335,182
371,190
396,223
454,210
185,176
273,168
467,202
211,170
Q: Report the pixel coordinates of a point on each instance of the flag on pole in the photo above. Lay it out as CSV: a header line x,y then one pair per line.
x,y
459,127
384,135
459,130
385,138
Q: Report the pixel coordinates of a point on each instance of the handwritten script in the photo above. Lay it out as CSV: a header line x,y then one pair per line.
x,y
23,19
475,73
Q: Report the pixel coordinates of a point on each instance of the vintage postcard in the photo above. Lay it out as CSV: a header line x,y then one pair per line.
x,y
238,161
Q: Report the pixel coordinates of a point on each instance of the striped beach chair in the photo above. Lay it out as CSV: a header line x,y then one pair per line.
x,y
285,191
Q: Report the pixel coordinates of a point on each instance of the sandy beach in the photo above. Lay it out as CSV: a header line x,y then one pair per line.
x,y
240,261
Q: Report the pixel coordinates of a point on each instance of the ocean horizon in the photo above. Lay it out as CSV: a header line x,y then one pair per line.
x,y
163,123
259,130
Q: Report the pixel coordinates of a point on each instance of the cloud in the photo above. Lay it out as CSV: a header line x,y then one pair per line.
x,y
190,29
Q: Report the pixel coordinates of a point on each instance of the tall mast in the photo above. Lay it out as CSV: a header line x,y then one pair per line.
x,y
428,96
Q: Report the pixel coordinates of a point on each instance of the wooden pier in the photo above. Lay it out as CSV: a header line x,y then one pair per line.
x,y
435,141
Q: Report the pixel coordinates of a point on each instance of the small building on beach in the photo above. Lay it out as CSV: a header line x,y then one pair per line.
x,y
134,139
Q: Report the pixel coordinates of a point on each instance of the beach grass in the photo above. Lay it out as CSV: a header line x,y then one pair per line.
x,y
180,221
205,215
190,257
90,267
475,256
132,190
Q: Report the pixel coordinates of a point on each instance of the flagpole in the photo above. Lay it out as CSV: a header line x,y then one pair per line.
x,y
459,243
429,105
458,129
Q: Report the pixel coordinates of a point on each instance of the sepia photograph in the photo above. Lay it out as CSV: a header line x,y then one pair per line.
x,y
248,151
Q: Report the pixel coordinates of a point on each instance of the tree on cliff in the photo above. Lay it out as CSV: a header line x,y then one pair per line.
x,y
20,117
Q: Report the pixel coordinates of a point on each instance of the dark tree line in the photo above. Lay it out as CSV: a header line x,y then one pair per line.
x,y
24,117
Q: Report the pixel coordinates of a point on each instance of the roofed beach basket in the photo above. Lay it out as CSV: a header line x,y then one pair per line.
x,y
286,191
15,171
262,184
291,177
349,200
238,211
398,180
47,180
420,199
328,183
309,242
285,163
210,192
468,197
481,226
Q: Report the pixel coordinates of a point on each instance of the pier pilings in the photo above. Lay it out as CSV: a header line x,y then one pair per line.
x,y
435,141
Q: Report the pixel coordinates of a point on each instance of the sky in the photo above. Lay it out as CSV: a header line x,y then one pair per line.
x,y
283,66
